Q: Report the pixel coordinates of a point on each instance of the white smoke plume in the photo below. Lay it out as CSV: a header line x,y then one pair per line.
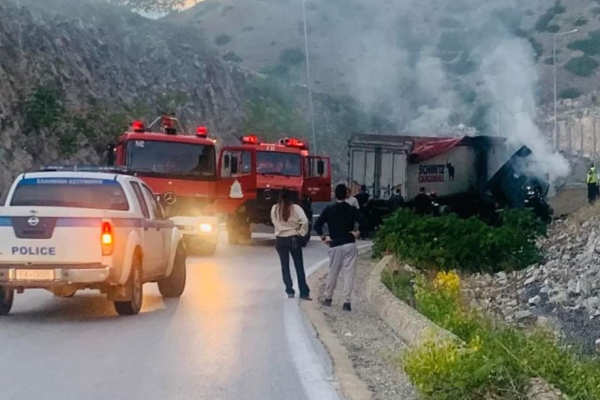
x,y
510,78
404,74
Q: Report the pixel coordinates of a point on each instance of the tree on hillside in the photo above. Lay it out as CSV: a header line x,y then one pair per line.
x,y
151,5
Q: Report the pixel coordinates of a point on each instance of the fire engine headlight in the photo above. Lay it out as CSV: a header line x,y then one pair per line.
x,y
206,228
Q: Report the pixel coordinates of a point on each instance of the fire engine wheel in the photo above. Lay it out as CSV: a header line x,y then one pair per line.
x,y
136,288
7,296
174,284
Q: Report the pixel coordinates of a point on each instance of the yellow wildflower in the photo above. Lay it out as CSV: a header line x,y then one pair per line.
x,y
448,282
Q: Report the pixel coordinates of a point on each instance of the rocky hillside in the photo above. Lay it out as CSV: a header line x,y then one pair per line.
x,y
399,56
562,292
70,84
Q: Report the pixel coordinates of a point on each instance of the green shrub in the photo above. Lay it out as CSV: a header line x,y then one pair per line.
x,y
222,39
401,285
497,360
595,11
552,28
450,242
581,21
549,61
291,56
582,66
590,46
232,56
569,93
537,47
43,108
543,21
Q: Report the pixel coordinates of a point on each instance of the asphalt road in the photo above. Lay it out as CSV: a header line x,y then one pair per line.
x,y
233,335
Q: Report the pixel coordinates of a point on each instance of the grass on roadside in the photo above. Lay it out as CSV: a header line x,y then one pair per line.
x,y
496,361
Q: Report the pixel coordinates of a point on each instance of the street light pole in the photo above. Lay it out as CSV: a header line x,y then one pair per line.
x,y
555,133
310,96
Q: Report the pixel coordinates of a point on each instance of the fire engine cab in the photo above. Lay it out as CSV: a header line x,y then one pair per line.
x,y
180,169
252,174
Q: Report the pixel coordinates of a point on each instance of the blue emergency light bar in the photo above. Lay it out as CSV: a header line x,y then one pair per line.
x,y
86,168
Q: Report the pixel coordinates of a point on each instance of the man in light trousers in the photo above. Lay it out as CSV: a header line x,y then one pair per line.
x,y
341,219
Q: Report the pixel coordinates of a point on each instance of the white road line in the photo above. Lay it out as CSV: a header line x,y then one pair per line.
x,y
315,380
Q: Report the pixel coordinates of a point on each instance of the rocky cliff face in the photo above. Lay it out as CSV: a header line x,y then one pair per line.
x,y
70,84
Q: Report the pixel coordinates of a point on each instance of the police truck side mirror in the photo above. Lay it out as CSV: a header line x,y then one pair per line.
x,y
320,167
234,165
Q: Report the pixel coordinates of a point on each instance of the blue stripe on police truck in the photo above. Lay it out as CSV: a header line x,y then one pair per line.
x,y
68,181
88,222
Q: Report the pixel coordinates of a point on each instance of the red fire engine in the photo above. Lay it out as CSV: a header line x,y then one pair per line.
x,y
252,174
180,169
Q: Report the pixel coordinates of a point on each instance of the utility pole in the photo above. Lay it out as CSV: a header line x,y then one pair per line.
x,y
554,62
310,95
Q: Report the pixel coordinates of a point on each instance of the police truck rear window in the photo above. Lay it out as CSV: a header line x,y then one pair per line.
x,y
70,192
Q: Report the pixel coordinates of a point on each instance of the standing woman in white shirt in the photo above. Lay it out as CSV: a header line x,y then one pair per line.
x,y
291,225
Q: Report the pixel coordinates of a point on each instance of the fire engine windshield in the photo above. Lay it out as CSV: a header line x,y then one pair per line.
x,y
272,163
171,158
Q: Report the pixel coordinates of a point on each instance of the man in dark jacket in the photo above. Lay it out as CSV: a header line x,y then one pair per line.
x,y
423,204
341,219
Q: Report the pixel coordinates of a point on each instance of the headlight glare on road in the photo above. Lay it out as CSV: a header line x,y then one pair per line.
x,y
206,228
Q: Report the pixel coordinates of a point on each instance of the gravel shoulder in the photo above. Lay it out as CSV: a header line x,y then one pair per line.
x,y
372,346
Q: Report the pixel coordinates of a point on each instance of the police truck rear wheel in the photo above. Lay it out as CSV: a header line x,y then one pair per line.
x,y
7,296
174,284
135,286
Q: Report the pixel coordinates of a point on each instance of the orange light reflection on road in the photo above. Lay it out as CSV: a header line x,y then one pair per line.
x,y
215,298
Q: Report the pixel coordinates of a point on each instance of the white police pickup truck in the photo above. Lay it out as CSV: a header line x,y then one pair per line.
x,y
69,230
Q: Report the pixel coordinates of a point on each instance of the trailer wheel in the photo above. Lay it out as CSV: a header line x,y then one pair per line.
x,y
7,296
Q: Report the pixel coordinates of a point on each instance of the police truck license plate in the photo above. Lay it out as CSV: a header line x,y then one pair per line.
x,y
35,275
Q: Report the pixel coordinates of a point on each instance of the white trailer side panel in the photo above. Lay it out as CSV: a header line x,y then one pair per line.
x,y
451,173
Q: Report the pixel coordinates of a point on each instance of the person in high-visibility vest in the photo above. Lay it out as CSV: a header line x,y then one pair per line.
x,y
592,183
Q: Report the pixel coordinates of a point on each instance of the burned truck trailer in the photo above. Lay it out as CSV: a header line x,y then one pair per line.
x,y
468,175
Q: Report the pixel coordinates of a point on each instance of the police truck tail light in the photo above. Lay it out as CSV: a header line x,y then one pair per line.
x,y
107,239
